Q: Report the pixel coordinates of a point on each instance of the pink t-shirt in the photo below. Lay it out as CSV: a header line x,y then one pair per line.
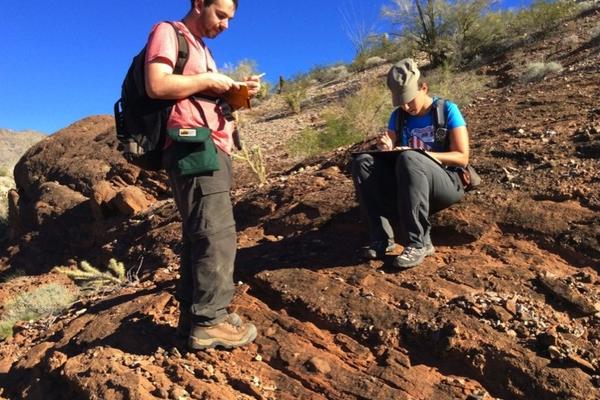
x,y
186,113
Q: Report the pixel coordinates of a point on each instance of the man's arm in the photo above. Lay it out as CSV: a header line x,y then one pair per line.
x,y
161,83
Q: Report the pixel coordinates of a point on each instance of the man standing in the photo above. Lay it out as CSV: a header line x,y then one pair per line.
x,y
205,288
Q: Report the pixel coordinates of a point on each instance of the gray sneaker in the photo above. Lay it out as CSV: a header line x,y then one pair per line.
x,y
224,334
378,249
413,256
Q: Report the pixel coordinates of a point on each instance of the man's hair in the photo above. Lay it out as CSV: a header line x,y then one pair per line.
x,y
209,2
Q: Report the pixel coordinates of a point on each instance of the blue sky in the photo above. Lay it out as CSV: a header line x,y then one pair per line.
x,y
65,60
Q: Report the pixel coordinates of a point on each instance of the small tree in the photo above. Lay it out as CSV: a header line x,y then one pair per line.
x,y
423,21
358,30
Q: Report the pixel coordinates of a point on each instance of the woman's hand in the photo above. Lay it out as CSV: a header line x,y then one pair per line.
x,y
384,142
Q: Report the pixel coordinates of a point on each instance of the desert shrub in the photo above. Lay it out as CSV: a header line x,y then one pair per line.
x,y
90,277
5,171
380,48
458,87
595,32
240,71
457,32
542,15
254,159
336,133
295,93
46,300
538,70
5,184
361,115
569,41
244,69
306,143
328,73
265,91
368,109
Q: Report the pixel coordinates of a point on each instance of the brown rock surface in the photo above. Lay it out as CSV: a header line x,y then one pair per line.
x,y
472,322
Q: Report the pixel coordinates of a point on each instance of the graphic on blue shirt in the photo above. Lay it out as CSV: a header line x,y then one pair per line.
x,y
418,132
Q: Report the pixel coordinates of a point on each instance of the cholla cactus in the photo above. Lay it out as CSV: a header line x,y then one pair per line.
x,y
90,277
254,158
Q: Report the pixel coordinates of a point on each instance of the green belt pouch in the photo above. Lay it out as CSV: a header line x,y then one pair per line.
x,y
195,150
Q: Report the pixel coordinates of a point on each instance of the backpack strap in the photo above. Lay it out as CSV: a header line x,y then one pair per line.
x,y
182,52
440,125
399,125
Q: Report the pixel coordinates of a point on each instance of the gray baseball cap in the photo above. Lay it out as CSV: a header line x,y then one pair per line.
x,y
402,80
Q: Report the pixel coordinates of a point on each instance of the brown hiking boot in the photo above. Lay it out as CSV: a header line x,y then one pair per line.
x,y
224,334
184,325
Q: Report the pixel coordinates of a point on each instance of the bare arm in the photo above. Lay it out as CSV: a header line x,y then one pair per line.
x,y
161,83
458,154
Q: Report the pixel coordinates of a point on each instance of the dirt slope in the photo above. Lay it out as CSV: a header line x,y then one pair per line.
x,y
508,307
14,144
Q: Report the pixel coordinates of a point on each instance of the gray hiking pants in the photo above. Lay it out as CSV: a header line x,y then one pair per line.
x,y
405,188
205,287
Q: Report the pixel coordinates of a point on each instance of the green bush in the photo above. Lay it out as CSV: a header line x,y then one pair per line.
x,y
306,143
363,114
460,33
50,299
539,70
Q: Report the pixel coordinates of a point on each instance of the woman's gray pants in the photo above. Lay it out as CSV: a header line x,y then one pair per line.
x,y
404,187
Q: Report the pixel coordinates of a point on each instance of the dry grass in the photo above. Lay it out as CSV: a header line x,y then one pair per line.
x,y
458,87
539,70
46,300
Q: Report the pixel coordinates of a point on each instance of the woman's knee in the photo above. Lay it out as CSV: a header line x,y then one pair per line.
x,y
407,159
362,165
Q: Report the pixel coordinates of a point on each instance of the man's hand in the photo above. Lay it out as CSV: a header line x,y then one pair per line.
x,y
253,83
219,83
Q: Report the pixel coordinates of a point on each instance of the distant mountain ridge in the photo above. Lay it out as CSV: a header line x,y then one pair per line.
x,y
14,144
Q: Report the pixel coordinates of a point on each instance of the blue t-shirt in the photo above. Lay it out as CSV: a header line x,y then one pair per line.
x,y
418,132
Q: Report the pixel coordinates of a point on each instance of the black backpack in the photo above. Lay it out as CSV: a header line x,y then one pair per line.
x,y
141,122
468,175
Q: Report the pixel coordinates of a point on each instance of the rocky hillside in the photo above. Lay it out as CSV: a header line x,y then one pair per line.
x,y
508,307
14,144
